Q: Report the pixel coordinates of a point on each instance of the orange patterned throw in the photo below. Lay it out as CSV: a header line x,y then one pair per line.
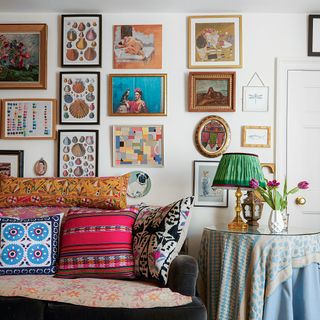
x,y
102,192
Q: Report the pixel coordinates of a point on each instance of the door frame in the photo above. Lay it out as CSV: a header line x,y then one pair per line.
x,y
284,65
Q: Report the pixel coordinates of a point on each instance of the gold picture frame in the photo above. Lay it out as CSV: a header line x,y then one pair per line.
x,y
212,91
256,136
215,41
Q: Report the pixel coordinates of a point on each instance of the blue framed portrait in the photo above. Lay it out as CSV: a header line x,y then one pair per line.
x,y
137,95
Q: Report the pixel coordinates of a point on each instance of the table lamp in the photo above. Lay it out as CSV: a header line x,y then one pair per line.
x,y
235,171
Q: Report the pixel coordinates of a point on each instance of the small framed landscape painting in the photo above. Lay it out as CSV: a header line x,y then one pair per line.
x,y
137,95
212,91
11,163
28,119
79,97
204,195
23,56
78,153
81,40
137,46
138,146
256,136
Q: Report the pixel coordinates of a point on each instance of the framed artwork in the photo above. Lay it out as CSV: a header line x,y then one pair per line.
x,y
79,98
28,119
138,146
204,195
81,40
212,91
255,98
137,46
314,35
256,136
78,153
23,56
215,41
11,163
137,95
212,136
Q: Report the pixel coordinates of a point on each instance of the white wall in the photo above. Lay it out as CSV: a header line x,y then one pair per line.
x,y
265,37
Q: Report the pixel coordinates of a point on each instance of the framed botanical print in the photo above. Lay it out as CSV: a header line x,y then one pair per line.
x,y
212,91
137,94
28,119
78,153
81,40
23,56
80,98
11,163
204,195
215,41
212,136
314,35
137,46
256,136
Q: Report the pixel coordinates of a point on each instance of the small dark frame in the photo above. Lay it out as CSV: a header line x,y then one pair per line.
x,y
61,112
83,132
311,51
99,39
20,159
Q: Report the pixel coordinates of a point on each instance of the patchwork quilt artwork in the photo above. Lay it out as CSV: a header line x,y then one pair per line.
x,y
138,146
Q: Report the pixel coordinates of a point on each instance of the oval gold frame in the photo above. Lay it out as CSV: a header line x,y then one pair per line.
x,y
199,129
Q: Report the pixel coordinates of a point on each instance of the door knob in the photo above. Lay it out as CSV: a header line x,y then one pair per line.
x,y
301,201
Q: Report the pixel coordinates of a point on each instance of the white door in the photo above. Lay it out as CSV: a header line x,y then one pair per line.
x,y
298,138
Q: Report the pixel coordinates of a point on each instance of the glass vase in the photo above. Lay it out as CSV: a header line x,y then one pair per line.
x,y
285,217
276,223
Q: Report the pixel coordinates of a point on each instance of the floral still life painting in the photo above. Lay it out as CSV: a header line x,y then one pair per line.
x,y
137,47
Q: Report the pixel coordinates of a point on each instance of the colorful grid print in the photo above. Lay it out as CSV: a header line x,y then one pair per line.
x,y
79,98
81,40
138,146
78,153
28,119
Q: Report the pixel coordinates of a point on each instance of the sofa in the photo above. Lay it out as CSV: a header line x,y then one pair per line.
x,y
136,272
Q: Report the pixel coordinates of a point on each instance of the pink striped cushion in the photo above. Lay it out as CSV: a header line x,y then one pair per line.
x,y
97,243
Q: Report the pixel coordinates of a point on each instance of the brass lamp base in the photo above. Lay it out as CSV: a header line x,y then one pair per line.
x,y
237,223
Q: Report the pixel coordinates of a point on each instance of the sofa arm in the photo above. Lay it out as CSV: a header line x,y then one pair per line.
x,y
183,274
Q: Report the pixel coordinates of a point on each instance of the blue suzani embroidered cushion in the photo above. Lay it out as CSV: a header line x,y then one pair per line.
x,y
29,246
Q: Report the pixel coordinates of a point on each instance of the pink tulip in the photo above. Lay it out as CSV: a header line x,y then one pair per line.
x,y
273,184
254,183
303,185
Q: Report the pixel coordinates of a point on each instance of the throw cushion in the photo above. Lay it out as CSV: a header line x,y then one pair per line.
x,y
29,246
97,243
102,192
158,235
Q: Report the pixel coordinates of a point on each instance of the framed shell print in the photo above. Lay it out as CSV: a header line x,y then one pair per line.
x,y
212,136
79,97
78,153
81,40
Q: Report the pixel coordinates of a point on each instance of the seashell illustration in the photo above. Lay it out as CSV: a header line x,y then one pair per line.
x,y
78,161
79,109
65,173
78,171
88,24
67,88
81,26
93,44
69,45
68,98
65,166
69,81
66,141
91,174
85,163
78,150
91,115
86,170
65,107
81,44
81,35
66,149
90,157
66,115
72,54
94,23
71,35
90,54
90,96
90,149
71,163
70,170
90,87
78,86
74,139
72,157
74,25
87,80
92,107
82,138
81,58
91,35
89,140
66,158
91,166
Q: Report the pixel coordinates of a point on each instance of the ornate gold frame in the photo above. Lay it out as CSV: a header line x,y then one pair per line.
x,y
252,145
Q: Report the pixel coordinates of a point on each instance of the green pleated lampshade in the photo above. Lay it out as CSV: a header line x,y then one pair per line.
x,y
237,170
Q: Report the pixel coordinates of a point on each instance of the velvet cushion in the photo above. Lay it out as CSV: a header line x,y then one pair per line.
x,y
158,235
29,246
102,192
97,243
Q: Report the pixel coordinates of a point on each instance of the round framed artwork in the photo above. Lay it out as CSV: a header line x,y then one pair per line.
x,y
139,184
212,136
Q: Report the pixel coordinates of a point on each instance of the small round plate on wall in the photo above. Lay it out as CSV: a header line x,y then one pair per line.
x,y
139,184
40,167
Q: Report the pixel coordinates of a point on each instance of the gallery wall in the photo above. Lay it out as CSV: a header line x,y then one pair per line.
x,y
265,37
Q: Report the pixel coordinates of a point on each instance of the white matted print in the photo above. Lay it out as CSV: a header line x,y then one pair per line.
x,y
11,163
255,98
205,196
256,136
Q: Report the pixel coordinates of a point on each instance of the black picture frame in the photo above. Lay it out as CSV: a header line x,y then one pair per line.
x,y
72,28
311,31
83,96
81,152
19,154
